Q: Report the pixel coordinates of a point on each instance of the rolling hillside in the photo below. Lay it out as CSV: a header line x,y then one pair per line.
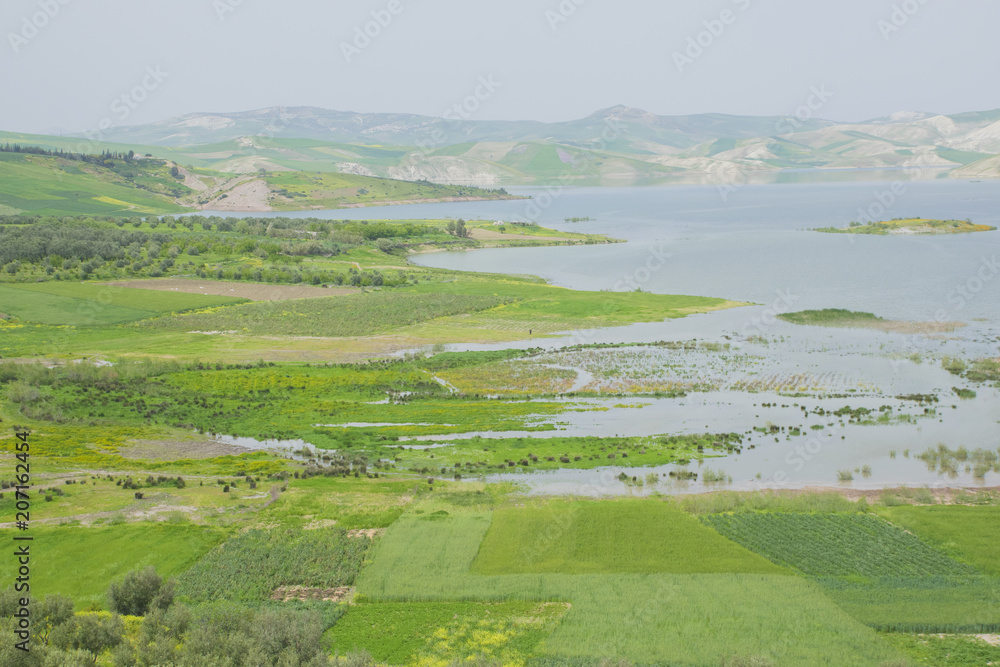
x,y
61,185
616,146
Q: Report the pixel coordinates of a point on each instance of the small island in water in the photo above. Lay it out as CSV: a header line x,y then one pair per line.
x,y
910,226
838,317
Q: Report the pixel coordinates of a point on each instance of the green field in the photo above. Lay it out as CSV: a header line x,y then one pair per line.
x,y
91,304
82,562
696,619
36,184
969,534
248,568
610,537
351,315
835,544
398,633
953,651
337,190
920,604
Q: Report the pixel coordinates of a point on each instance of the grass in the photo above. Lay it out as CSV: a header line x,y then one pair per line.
x,y
948,461
82,562
351,503
36,184
90,304
829,317
336,190
920,604
350,315
607,537
248,568
774,501
945,651
647,618
399,633
478,455
969,534
835,544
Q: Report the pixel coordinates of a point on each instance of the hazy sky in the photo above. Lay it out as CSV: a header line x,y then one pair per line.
x,y
66,64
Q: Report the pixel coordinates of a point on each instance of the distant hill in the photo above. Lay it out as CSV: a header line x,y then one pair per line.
x,y
615,146
413,130
126,185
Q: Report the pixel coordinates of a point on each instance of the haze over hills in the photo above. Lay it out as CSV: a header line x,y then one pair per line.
x,y
615,146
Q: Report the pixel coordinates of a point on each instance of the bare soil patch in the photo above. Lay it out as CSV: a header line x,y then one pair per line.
x,y
174,449
289,593
370,533
248,196
252,291
190,180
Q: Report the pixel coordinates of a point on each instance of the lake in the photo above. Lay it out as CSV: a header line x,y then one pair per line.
x,y
753,244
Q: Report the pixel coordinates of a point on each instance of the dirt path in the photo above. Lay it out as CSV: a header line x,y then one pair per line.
x,y
190,180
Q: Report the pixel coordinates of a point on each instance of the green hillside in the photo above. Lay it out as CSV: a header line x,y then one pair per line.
x,y
39,184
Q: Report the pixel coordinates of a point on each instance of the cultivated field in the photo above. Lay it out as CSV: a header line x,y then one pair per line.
x,y
251,292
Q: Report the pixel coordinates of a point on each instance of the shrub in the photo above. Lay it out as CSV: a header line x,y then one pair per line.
x,y
94,633
139,591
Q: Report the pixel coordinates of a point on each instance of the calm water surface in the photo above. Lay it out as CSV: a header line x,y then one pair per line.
x,y
753,245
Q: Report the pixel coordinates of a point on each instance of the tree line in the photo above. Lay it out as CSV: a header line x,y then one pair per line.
x,y
101,158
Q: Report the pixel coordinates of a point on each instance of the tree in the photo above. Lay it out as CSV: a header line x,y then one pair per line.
x,y
460,230
93,633
53,612
139,591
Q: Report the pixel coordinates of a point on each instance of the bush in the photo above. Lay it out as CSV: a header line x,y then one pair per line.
x,y
94,633
233,635
139,592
